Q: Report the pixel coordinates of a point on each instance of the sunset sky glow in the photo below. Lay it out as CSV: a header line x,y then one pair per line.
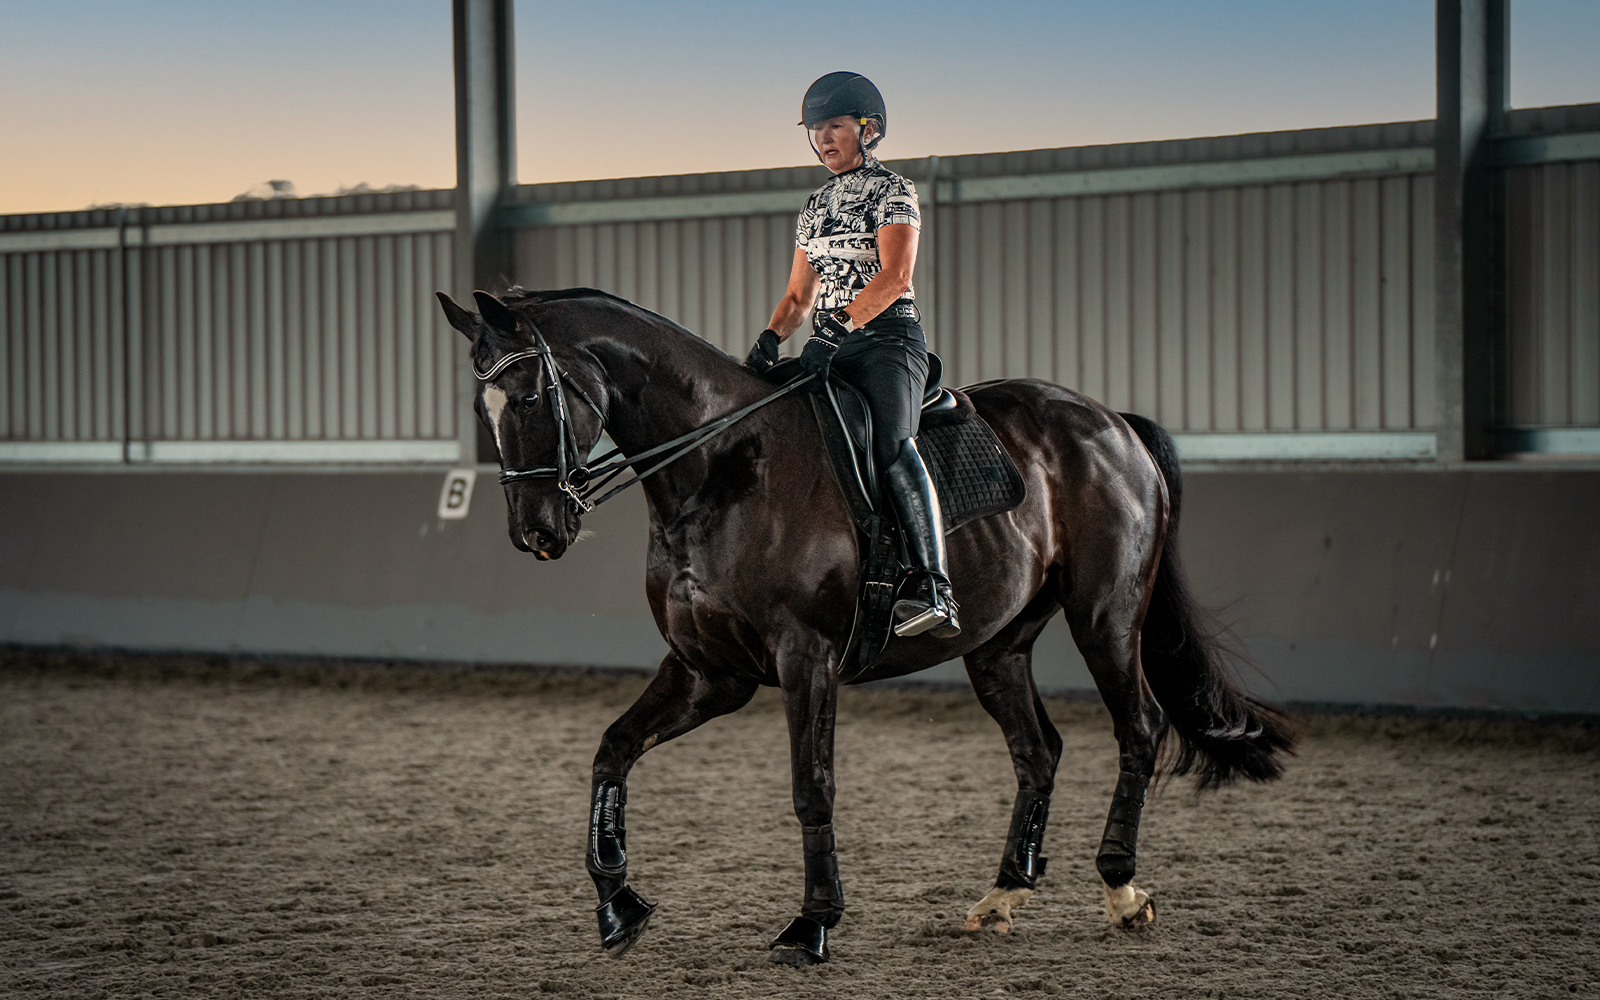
x,y
188,102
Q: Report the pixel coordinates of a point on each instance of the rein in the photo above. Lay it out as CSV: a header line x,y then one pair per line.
x,y
580,481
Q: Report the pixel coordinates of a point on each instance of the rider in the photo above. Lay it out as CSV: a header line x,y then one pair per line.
x,y
856,242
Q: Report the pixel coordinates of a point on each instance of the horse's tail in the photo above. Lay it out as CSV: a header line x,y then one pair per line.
x,y
1223,732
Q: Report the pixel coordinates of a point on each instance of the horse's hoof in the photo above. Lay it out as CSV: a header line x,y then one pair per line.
x,y
1143,918
1130,908
993,911
623,919
804,942
991,921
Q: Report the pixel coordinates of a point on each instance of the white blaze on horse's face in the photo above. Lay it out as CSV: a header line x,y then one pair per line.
x,y
494,403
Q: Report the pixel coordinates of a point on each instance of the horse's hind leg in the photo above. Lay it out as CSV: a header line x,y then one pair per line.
x,y
1110,646
1002,675
677,700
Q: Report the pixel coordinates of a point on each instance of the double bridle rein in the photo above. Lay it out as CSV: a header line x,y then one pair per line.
x,y
581,481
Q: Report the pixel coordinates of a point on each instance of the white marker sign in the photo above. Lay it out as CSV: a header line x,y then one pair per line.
x,y
456,497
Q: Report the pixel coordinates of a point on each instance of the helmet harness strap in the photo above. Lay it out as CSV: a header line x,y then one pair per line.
x,y
861,136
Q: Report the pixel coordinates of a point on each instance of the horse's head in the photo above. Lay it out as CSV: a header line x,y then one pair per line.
x,y
515,399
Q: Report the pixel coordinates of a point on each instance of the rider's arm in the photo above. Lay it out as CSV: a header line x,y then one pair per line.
x,y
802,294
897,254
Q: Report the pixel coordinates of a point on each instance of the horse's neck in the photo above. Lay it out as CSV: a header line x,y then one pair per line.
x,y
663,383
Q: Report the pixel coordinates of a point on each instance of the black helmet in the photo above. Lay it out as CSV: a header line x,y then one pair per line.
x,y
844,94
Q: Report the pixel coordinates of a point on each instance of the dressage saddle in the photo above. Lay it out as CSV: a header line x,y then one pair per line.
x,y
973,475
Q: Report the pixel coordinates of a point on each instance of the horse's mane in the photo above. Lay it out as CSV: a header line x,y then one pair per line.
x,y
516,295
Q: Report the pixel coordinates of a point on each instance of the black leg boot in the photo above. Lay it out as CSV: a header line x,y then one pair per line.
x,y
929,607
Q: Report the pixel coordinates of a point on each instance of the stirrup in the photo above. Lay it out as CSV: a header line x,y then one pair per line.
x,y
938,616
930,619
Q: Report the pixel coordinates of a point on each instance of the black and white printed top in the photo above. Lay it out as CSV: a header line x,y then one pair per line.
x,y
838,228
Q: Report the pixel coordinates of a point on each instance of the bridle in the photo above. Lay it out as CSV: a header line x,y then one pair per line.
x,y
574,477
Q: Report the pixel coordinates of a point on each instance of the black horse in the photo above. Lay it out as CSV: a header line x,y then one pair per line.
x,y
753,575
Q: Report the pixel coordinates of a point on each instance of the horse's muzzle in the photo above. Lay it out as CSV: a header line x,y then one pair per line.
x,y
544,543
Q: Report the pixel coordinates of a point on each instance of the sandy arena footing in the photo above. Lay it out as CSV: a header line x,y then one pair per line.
x,y
189,828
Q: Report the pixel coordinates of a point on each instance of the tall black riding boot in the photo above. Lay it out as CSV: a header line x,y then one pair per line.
x,y
929,606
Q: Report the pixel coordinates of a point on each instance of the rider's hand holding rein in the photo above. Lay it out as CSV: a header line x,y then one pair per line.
x,y
827,334
764,354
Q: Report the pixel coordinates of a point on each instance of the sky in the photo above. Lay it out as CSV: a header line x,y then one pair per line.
x,y
186,102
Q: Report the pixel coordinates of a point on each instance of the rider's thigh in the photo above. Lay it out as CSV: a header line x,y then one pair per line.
x,y
890,372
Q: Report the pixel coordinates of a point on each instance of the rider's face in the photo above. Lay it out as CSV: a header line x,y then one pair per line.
x,y
838,141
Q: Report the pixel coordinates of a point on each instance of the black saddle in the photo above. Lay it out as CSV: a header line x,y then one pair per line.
x,y
972,474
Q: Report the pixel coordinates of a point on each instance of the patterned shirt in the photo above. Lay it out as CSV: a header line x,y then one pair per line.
x,y
838,228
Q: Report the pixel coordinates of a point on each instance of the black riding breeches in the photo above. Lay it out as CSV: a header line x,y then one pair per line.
x,y
888,361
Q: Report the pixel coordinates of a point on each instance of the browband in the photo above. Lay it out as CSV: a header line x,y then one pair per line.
x,y
504,363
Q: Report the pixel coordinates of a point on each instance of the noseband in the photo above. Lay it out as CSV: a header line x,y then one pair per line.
x,y
580,481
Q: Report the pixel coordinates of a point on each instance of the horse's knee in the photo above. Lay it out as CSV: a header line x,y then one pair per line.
x,y
620,749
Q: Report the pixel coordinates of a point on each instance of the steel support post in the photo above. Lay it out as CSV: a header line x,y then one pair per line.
x,y
1469,245
486,169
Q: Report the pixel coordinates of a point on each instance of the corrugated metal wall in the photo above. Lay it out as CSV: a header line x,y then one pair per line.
x,y
1304,306
1295,306
720,277
293,339
1272,307
61,346
1554,235
1271,288
164,329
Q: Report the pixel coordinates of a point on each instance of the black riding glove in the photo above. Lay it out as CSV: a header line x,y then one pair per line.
x,y
764,354
828,332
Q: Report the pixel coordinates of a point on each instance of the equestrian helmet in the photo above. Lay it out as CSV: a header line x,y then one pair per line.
x,y
845,94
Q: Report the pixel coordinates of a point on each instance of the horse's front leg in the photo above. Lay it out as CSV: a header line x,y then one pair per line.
x,y
810,688
678,699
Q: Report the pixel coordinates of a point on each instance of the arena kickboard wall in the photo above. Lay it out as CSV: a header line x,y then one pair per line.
x,y
1447,590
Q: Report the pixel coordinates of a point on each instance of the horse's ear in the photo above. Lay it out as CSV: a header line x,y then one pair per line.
x,y
458,317
496,313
